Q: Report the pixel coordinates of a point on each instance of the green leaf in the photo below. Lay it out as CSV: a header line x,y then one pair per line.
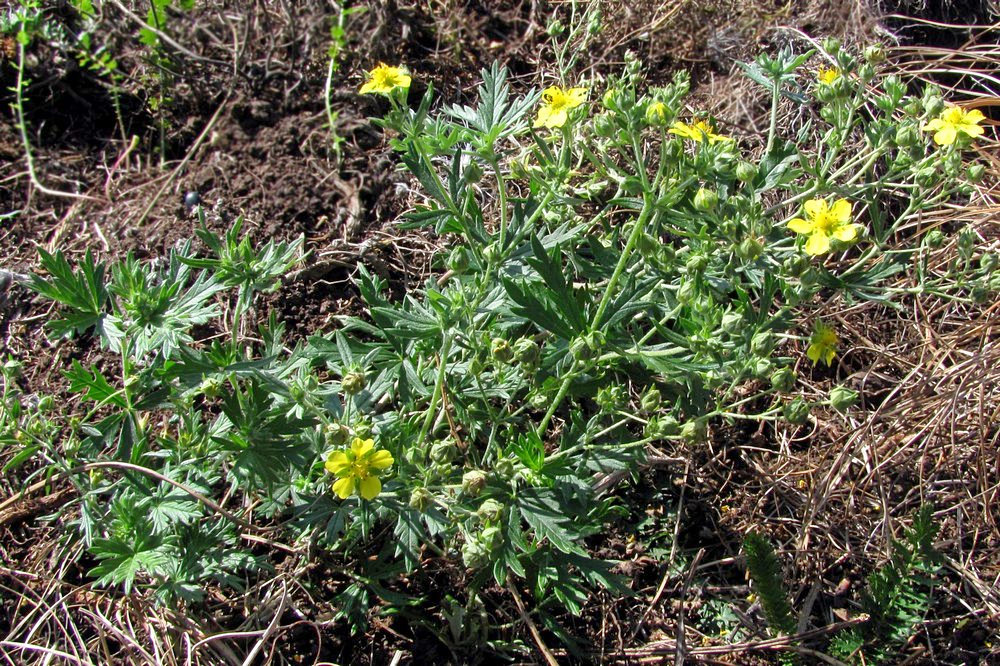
x,y
542,511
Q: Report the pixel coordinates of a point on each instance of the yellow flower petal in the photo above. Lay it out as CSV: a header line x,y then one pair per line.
x,y
380,459
361,446
840,211
800,226
971,130
845,232
344,487
946,135
338,463
815,208
818,243
575,97
370,487
933,125
813,353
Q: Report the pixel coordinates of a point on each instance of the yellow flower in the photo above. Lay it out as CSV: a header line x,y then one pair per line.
x,y
827,75
953,121
822,344
384,79
824,222
357,469
556,104
700,131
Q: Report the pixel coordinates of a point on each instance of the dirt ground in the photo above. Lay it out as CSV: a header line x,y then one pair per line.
x,y
245,130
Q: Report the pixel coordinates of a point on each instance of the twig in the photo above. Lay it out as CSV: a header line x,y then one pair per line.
x,y
535,634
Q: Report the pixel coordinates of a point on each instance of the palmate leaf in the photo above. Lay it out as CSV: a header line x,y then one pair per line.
x,y
542,510
495,116
82,292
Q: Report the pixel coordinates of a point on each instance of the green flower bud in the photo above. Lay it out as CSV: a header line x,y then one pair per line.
x,y
975,172
474,554
505,468
934,238
907,136
647,245
926,177
842,397
796,412
490,511
831,45
979,294
657,114
539,401
783,379
705,199
46,403
580,349
874,54
491,253
604,126
732,322
988,262
762,367
421,499
353,382
335,435
632,185
866,72
527,351
746,172
650,401
211,387
610,398
695,264
687,292
362,429
491,537
501,351
473,482
749,249
611,99
473,173
444,451
458,259
555,28
660,427
933,103
694,431
762,343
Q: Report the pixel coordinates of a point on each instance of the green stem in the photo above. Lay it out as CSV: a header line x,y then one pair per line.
x,y
438,391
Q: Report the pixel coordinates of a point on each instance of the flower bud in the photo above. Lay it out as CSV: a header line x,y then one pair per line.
x,y
831,45
975,172
473,173
926,177
761,367
842,397
210,387
783,379
749,249
632,185
604,126
906,136
526,351
705,199
474,554
473,482
650,401
353,382
610,398
657,114
421,499
745,172
694,431
687,292
501,351
732,322
539,401
490,511
695,264
762,343
458,259
874,54
335,434
660,427
934,238
796,412
988,262
444,451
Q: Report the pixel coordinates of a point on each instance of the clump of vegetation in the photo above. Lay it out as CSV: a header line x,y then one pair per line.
x,y
622,276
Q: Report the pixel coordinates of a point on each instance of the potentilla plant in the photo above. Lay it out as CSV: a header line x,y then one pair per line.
x,y
621,275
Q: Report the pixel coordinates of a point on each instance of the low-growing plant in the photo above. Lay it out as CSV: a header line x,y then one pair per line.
x,y
620,276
